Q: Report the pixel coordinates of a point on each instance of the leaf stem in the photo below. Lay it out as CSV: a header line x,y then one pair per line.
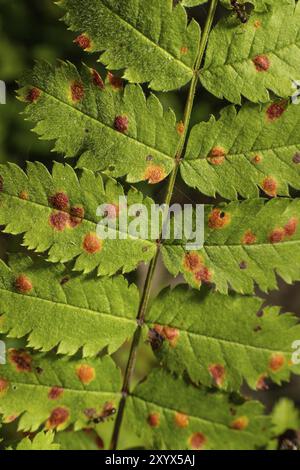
x,y
169,194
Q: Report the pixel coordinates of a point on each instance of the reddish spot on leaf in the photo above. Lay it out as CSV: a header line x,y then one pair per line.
x,y
184,50
197,441
55,393
240,423
243,265
261,384
24,195
4,384
181,420
277,235
257,159
257,24
154,174
291,227
217,371
76,216
180,128
154,420
97,80
121,124
86,373
276,362
218,219
59,221
112,211
262,63
83,41
77,91
270,186
249,238
21,360
192,261
57,418
116,82
296,158
60,201
99,442
168,333
92,243
217,156
203,275
275,110
23,284
33,95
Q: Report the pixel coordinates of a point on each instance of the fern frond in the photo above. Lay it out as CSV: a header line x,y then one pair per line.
x,y
105,129
152,41
254,58
42,441
53,309
237,153
245,243
224,340
193,418
56,393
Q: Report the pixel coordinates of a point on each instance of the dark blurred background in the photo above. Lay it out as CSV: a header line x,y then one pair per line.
x,y
30,30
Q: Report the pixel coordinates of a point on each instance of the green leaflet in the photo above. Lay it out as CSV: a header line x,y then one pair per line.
x,y
67,236
42,441
55,392
105,129
152,41
192,417
242,150
224,340
39,300
285,416
250,59
245,243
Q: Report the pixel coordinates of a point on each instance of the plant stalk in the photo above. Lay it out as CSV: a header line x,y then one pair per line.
x,y
169,194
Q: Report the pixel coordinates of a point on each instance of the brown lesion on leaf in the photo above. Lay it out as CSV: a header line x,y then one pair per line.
x,y
154,174
261,384
116,82
97,79
204,274
217,372
275,110
121,124
85,373
55,393
270,186
92,243
192,261
217,156
257,24
76,216
197,441
218,219
276,362
181,420
154,420
21,360
24,195
168,333
296,158
60,201
33,95
59,221
291,227
4,386
241,423
23,284
257,159
84,42
58,417
184,50
10,419
249,238
262,63
277,235
180,127
77,91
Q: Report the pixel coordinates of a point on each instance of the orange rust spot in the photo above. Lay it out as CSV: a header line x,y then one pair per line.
x,y
184,50
76,216
197,441
276,362
180,128
57,418
4,384
97,80
277,235
275,110
168,333
33,95
116,82
192,261
55,393
249,238
218,219
92,243
154,174
217,371
154,420
240,423
203,275
86,373
121,124
60,201
23,284
217,156
77,91
270,186
24,195
59,221
21,360
181,420
83,41
257,24
291,227
257,159
262,63
261,383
